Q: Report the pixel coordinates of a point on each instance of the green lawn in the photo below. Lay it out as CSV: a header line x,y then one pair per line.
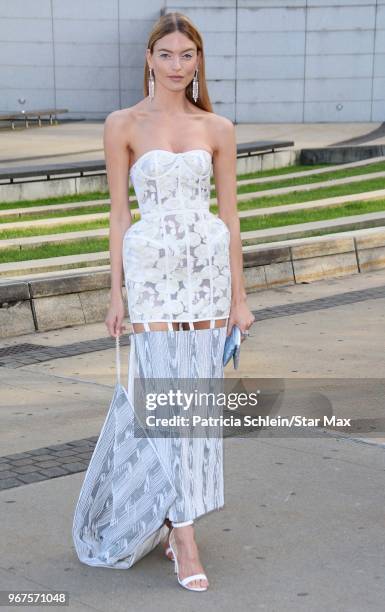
x,y
260,202
320,214
266,221
98,195
300,216
375,167
295,197
98,208
329,176
53,229
74,198
77,247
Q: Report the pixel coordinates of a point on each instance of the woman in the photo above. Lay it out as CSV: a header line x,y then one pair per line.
x,y
182,264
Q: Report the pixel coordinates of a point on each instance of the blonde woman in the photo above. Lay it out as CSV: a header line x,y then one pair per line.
x,y
182,264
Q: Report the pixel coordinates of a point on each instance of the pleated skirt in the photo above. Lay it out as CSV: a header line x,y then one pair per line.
x,y
134,482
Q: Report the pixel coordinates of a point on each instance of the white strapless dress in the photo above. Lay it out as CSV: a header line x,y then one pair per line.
x,y
176,257
176,264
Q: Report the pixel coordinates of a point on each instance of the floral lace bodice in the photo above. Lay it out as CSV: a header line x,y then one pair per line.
x,y
176,257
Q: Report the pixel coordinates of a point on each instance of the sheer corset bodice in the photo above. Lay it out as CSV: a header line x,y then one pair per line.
x,y
176,257
164,181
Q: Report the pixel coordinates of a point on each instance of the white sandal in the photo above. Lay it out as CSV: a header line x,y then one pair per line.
x,y
184,582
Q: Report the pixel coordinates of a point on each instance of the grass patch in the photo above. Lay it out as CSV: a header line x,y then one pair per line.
x,y
99,195
300,216
296,197
291,218
98,208
68,199
308,180
57,229
293,197
326,176
91,245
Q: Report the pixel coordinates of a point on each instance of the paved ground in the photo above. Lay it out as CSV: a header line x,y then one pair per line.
x,y
79,140
302,526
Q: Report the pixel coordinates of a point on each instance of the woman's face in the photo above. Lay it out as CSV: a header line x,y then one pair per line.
x,y
174,61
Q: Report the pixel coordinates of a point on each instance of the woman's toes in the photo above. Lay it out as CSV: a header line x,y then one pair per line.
x,y
199,583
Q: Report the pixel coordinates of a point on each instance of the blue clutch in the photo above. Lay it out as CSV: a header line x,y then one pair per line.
x,y
232,347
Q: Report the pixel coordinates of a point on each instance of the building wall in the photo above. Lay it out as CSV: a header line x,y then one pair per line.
x,y
84,55
266,60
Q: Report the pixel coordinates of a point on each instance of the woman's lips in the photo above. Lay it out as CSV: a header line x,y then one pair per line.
x,y
176,78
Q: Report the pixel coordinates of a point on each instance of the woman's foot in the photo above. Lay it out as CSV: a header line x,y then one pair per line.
x,y
188,555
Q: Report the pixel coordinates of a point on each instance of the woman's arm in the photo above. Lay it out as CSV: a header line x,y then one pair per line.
x,y
117,162
225,175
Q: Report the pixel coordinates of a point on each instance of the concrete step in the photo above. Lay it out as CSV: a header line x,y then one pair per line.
x,y
301,230
314,172
34,241
308,186
32,210
55,273
291,242
56,221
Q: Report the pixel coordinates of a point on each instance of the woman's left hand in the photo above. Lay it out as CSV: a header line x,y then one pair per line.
x,y
240,315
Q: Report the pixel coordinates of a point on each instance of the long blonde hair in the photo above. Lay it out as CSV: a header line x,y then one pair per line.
x,y
177,22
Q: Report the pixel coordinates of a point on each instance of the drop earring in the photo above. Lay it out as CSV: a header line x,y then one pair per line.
x,y
195,90
151,85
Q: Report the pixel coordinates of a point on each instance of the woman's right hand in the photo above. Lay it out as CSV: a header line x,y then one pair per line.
x,y
115,316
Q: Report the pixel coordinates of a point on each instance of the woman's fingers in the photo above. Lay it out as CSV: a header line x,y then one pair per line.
x,y
114,326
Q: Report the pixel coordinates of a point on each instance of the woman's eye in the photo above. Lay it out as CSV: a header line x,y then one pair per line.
x,y
186,55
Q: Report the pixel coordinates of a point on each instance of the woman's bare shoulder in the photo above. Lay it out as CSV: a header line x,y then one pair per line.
x,y
221,129
219,122
121,125
124,116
